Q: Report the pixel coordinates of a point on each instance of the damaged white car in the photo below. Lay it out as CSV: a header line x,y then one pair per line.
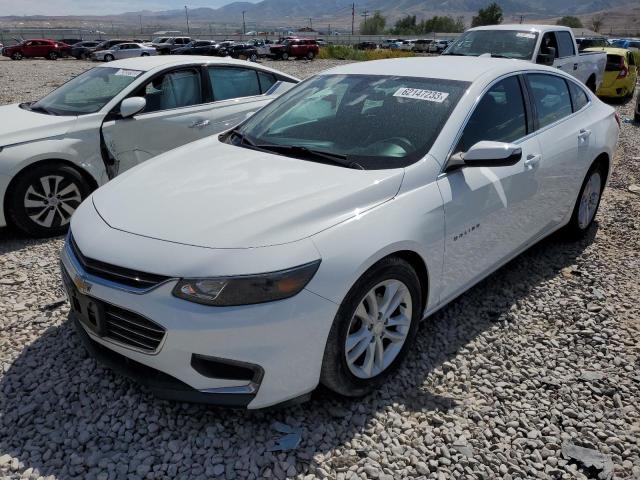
x,y
56,151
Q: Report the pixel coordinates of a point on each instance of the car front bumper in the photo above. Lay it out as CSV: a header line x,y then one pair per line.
x,y
283,342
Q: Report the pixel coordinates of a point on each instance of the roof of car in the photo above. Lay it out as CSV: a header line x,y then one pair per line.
x,y
146,64
467,69
532,27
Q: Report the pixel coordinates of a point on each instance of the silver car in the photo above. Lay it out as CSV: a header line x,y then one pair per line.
x,y
124,50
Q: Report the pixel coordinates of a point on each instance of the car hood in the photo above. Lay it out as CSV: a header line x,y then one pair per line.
x,y
215,195
18,125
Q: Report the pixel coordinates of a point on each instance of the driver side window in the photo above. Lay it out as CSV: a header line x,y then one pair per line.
x,y
500,116
175,89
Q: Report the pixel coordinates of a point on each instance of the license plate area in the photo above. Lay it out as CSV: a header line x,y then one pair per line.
x,y
89,311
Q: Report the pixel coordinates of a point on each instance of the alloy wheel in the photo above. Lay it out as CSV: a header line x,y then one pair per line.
x,y
589,200
52,201
378,329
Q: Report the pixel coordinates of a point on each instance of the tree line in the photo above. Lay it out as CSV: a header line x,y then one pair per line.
x,y
490,15
409,25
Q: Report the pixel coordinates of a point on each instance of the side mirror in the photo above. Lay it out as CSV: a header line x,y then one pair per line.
x,y
547,58
130,106
487,154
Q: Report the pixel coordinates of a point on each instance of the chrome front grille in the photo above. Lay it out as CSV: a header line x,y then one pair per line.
x,y
113,273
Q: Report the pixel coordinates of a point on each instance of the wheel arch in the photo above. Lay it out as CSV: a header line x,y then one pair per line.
x,y
416,261
91,181
604,159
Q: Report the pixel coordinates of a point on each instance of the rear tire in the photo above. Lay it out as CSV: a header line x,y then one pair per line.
x,y
41,200
636,117
591,84
361,351
144,54
588,202
52,56
311,56
253,58
16,56
285,56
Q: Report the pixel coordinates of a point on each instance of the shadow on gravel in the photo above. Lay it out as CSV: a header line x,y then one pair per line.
x,y
11,240
64,415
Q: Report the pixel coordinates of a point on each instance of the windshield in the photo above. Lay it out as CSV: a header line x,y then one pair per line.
x,y
502,43
379,122
88,92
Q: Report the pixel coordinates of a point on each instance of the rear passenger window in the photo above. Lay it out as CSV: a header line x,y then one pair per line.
x,y
499,116
578,96
229,82
267,80
565,44
551,98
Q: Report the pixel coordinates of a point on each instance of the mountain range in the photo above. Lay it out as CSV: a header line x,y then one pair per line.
x,y
276,13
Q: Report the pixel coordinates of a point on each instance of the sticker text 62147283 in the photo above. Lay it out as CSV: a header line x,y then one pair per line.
x,y
420,94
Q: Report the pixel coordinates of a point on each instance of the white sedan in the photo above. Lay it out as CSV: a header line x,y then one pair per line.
x,y
55,151
306,245
124,50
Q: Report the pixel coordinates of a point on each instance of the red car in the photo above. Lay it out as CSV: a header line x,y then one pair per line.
x,y
296,48
37,48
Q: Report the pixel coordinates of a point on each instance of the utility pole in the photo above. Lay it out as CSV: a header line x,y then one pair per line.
x,y
186,13
140,18
365,14
244,25
353,17
310,23
521,19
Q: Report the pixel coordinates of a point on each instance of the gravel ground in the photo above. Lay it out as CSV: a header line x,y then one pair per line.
x,y
506,382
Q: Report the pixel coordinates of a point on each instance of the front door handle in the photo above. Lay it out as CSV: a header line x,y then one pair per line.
x,y
575,66
532,161
584,134
200,124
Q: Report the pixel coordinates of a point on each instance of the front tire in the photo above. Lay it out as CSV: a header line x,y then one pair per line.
x,y
311,56
373,329
253,58
16,56
109,58
52,56
42,200
588,202
144,54
285,56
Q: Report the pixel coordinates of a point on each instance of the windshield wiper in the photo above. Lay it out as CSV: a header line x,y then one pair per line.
x,y
335,158
456,54
34,108
497,55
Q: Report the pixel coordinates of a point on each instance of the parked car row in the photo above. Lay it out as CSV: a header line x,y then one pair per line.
x,y
240,269
44,48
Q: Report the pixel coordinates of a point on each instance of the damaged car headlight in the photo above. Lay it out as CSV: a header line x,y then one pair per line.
x,y
246,289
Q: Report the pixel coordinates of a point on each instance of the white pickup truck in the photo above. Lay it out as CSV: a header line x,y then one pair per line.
x,y
544,44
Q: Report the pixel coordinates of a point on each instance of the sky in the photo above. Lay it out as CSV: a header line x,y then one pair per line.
x,y
99,7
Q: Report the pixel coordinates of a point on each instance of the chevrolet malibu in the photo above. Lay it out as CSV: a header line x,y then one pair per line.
x,y
306,245
55,151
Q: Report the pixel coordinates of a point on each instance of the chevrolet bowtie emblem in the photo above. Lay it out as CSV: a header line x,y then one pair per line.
x,y
82,285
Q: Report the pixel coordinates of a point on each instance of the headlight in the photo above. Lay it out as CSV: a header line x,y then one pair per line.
x,y
246,289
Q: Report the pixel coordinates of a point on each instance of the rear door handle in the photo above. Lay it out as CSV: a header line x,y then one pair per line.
x,y
532,161
200,124
584,134
575,66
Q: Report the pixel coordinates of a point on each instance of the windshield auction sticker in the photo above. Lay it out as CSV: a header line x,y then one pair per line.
x,y
419,94
128,73
525,35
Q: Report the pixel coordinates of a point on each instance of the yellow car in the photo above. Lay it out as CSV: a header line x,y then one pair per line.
x,y
620,74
